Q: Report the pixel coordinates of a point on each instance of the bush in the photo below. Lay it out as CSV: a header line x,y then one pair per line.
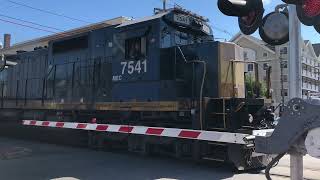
x,y
254,90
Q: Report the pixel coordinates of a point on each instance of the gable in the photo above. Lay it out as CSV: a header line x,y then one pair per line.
x,y
310,50
316,48
241,38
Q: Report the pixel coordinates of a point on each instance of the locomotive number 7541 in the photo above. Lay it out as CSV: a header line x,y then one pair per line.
x,y
134,66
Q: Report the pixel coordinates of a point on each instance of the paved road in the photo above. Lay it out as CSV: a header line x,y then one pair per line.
x,y
25,160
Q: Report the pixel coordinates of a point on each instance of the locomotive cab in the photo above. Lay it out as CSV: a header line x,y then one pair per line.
x,y
138,48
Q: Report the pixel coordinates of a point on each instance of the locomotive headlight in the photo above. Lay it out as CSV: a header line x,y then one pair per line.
x,y
250,118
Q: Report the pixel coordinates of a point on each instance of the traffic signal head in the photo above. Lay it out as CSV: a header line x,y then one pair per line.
x,y
250,23
274,29
309,12
238,7
249,13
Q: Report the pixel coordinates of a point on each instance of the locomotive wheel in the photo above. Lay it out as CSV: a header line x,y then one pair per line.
x,y
139,144
183,149
196,151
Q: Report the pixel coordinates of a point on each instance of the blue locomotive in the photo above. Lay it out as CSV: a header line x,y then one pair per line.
x,y
160,71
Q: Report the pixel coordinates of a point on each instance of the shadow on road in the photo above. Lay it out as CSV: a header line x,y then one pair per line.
x,y
51,161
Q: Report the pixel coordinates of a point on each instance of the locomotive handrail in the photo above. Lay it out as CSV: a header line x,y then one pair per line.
x,y
202,84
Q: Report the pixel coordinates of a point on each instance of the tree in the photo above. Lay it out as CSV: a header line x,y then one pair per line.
x,y
253,89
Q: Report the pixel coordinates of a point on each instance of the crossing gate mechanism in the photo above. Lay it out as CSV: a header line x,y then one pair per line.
x,y
298,132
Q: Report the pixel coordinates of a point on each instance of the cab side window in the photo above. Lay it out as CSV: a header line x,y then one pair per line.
x,y
136,48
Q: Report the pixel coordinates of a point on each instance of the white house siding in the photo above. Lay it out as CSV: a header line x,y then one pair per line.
x,y
263,54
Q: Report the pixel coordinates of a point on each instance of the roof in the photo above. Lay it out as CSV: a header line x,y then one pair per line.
x,y
148,18
162,13
90,27
316,48
255,40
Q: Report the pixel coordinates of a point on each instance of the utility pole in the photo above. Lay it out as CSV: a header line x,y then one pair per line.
x,y
295,83
282,81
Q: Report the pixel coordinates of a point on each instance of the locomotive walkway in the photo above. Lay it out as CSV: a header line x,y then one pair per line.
x,y
27,160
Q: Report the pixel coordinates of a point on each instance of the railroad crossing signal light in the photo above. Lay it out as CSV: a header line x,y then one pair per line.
x,y
308,12
249,13
250,23
235,7
274,29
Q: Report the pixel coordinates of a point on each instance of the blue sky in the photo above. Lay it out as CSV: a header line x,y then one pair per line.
x,y
99,10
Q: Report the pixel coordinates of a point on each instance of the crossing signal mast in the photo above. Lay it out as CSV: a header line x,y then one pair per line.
x,y
278,28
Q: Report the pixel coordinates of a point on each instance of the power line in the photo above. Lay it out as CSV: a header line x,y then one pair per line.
x,y
19,24
49,27
223,31
46,11
63,33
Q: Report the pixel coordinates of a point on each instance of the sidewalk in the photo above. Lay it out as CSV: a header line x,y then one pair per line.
x,y
311,168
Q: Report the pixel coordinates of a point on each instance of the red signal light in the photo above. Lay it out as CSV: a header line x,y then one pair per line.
x,y
249,13
250,23
311,8
309,12
248,20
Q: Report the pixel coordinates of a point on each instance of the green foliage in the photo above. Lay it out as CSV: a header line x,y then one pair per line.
x,y
249,83
263,89
254,90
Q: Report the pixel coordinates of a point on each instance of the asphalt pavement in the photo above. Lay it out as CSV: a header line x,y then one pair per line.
x,y
29,160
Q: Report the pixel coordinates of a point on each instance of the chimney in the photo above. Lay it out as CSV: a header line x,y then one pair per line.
x,y
7,40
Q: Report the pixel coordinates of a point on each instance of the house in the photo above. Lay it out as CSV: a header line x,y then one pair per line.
x,y
258,52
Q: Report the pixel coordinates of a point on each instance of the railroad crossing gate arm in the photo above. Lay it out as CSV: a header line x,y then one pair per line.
x,y
298,119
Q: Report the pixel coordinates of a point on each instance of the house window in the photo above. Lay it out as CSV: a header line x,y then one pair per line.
x,y
265,78
284,64
136,48
265,66
245,55
284,78
284,92
284,50
265,54
250,67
